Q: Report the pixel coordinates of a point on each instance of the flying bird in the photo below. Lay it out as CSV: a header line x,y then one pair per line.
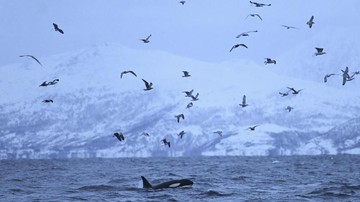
x,y
126,72
48,101
166,142
56,28
182,2
245,33
219,132
189,105
181,134
195,98
186,74
44,84
179,116
244,104
319,51
284,94
259,4
148,86
310,22
254,15
327,76
295,92
32,58
289,108
289,27
145,134
188,93
119,136
238,45
55,81
269,61
345,75
147,39
252,128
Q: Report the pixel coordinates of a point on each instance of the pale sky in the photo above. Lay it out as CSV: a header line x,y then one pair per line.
x,y
203,30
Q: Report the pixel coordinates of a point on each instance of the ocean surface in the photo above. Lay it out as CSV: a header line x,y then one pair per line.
x,y
291,178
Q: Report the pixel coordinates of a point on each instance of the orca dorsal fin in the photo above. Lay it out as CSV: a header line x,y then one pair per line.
x,y
146,183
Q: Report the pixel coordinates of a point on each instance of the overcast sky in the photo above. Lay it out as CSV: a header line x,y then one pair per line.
x,y
203,30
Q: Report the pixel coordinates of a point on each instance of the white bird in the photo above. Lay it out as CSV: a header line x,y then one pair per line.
x,y
259,4
245,33
238,45
289,27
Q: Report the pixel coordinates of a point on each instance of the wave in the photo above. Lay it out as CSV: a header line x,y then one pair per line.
x,y
97,188
215,193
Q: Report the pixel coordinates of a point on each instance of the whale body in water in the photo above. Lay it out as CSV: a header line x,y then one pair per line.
x,y
168,184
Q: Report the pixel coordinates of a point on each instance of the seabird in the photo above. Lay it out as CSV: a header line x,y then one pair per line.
x,y
345,75
48,101
295,92
146,40
259,4
188,93
55,81
269,61
146,134
219,132
181,134
289,108
119,136
166,142
327,76
252,127
195,98
310,22
44,84
125,72
284,94
179,116
186,74
319,51
182,2
245,33
244,104
238,45
56,28
189,105
289,27
32,58
148,86
254,15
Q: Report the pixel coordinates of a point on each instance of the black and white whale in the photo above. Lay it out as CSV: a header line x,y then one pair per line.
x,y
168,184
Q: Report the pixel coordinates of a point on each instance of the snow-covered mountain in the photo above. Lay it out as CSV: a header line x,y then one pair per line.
x,y
91,102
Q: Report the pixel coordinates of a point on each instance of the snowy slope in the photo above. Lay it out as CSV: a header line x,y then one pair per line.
x,y
91,102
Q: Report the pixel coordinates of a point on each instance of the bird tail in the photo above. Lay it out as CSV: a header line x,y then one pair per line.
x,y
146,183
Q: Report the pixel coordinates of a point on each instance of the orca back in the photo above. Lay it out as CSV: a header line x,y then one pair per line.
x,y
146,183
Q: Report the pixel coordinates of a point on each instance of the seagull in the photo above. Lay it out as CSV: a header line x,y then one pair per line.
x,y
219,132
244,104
345,75
146,40
189,105
252,127
166,142
238,45
125,72
245,33
284,94
148,86
44,84
182,2
119,136
295,92
254,15
327,76
310,22
181,134
195,98
32,58
289,108
289,27
179,116
48,101
56,28
146,134
270,61
186,74
259,4
319,51
188,93
55,81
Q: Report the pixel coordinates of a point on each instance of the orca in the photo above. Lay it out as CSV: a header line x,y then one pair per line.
x,y
168,184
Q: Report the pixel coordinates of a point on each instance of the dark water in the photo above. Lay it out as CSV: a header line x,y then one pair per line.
x,y
296,178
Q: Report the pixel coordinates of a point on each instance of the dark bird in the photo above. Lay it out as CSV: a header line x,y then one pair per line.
x,y
126,72
219,132
48,101
186,74
284,94
244,104
148,86
147,39
181,134
189,105
269,61
254,15
259,4
119,136
195,98
55,81
310,22
44,84
345,75
289,27
182,2
319,51
32,58
295,92
245,33
327,76
179,116
166,142
238,45
289,108
252,128
145,134
188,93
56,28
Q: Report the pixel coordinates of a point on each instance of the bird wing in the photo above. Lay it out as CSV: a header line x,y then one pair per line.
x,y
32,58
133,73
122,73
243,45
146,83
148,37
232,48
319,50
311,19
258,16
244,100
